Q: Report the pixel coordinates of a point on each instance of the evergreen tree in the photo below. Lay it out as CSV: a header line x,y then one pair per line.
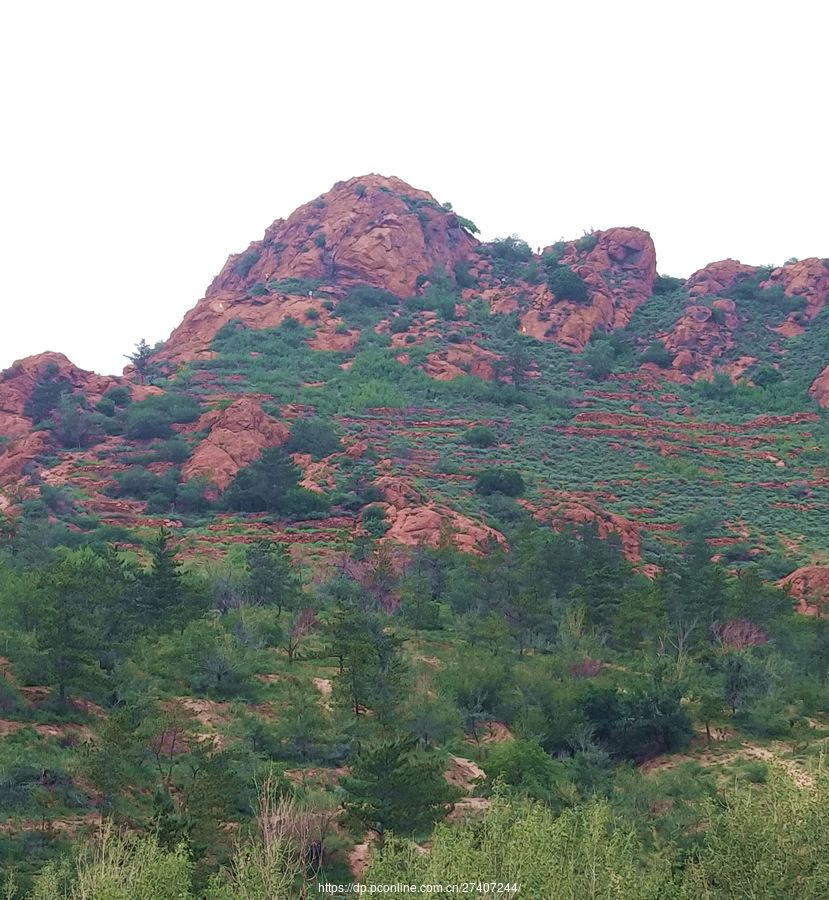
x,y
393,787
272,579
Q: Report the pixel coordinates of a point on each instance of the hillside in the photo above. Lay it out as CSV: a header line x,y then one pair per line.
x,y
404,532
622,397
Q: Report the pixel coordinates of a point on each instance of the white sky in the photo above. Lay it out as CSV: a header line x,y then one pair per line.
x,y
143,142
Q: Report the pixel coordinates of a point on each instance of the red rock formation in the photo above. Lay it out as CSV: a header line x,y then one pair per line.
x,y
461,359
237,436
701,336
808,278
820,388
16,385
417,523
18,381
317,475
562,509
717,277
619,271
372,230
809,585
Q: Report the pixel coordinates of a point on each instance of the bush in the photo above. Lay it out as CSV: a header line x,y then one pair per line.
x,y
501,481
658,354
46,394
587,243
568,285
524,767
374,521
155,416
511,249
271,484
362,303
247,262
462,277
314,436
480,436
665,284
295,286
191,497
399,324
174,450
766,375
141,484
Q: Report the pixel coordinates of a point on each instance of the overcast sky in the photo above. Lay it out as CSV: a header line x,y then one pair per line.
x,y
143,142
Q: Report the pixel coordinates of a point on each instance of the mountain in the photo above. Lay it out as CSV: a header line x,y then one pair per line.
x,y
398,359
401,529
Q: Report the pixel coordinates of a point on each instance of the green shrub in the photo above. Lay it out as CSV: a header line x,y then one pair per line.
x,y
568,285
364,304
399,324
155,416
46,394
463,279
271,484
480,436
587,243
658,354
374,521
665,284
766,375
315,436
500,480
141,484
247,262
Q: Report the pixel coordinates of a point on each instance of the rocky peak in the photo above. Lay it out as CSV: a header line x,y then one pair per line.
x,y
807,278
373,230
369,230
717,277
618,266
19,380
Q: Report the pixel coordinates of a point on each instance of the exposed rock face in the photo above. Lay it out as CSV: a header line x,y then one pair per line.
x,y
809,585
562,509
619,271
373,230
417,523
820,388
237,436
701,335
461,359
808,278
717,277
18,381
16,385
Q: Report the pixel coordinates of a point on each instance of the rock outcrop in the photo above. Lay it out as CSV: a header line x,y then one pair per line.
x,y
820,388
562,509
807,278
370,230
810,586
717,277
703,334
414,522
619,270
19,380
22,445
236,437
461,359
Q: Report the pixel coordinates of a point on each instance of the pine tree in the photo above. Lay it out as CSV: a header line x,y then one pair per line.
x,y
393,787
